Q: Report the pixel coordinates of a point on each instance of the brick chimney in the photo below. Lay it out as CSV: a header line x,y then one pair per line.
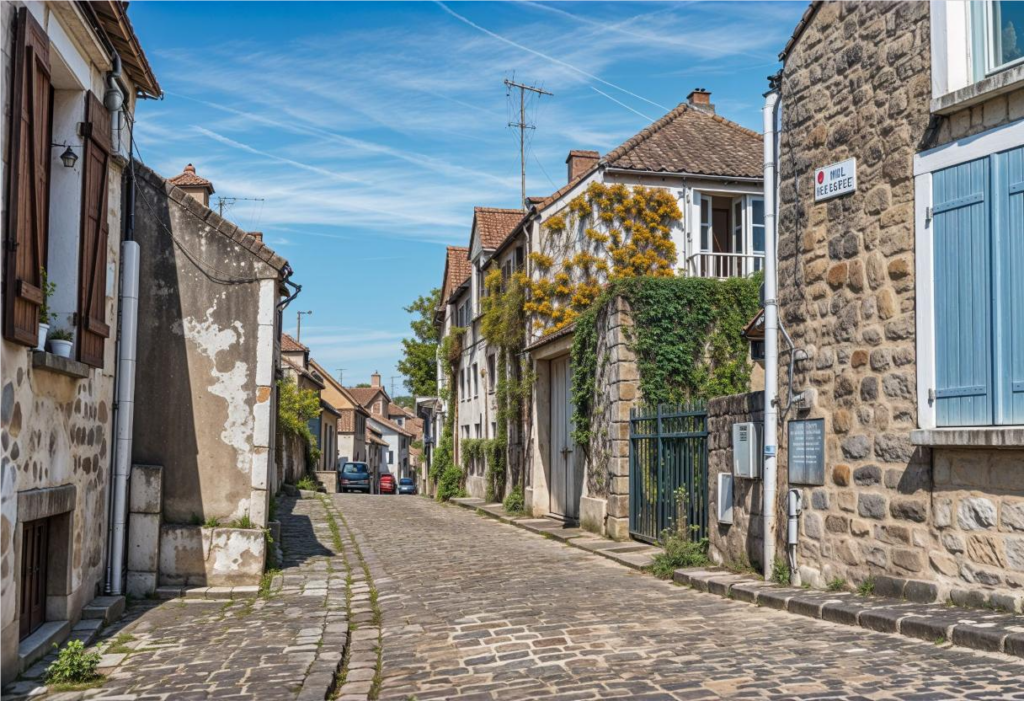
x,y
700,99
580,162
258,235
375,379
197,187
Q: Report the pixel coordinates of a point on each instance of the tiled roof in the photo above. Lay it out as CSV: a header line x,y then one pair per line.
x,y
373,436
363,395
188,178
688,140
457,270
799,29
495,224
112,17
290,345
396,410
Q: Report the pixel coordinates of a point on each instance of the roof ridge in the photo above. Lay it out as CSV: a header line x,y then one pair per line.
x,y
644,134
505,210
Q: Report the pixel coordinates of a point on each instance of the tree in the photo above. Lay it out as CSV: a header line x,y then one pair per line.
x,y
419,361
406,402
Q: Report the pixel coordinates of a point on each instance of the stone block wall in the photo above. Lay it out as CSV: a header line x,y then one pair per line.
x,y
741,543
144,519
606,485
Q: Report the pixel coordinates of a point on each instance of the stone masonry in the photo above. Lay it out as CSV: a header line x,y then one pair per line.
x,y
604,507
857,84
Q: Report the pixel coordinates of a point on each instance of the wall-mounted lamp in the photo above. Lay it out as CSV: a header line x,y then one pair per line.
x,y
68,158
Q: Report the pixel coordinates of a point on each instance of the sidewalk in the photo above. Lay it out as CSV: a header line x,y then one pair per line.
x,y
286,642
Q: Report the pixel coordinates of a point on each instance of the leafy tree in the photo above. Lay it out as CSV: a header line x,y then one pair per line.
x,y
295,409
406,402
419,361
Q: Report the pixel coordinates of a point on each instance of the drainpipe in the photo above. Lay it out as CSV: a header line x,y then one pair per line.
x,y
125,411
771,331
113,100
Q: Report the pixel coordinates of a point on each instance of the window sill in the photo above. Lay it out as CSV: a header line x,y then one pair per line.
x,y
970,437
41,360
986,88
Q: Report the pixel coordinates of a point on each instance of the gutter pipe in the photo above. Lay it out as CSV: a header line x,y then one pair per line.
x,y
771,331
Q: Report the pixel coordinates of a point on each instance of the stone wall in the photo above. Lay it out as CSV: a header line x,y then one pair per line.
x,y
291,458
205,379
604,506
857,84
741,543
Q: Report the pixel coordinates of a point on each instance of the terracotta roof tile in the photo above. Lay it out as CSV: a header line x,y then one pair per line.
x,y
494,224
188,178
388,423
457,270
363,395
290,345
688,140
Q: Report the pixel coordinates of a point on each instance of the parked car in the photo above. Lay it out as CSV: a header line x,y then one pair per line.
x,y
355,477
387,484
406,485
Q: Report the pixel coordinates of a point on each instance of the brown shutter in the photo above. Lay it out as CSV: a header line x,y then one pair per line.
x,y
92,261
28,194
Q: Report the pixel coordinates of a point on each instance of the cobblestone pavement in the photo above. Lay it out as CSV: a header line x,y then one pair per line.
x,y
286,644
477,609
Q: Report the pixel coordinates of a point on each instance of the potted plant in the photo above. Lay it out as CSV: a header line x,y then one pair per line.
x,y
60,342
45,315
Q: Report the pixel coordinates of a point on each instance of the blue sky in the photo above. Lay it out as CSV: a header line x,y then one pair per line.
x,y
370,130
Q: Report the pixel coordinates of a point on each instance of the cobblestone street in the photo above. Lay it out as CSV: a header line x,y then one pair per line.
x,y
477,609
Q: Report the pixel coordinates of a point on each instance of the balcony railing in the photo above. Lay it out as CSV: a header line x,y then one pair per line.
x,y
723,265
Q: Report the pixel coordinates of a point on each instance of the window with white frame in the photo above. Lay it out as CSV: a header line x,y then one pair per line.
x,y
997,36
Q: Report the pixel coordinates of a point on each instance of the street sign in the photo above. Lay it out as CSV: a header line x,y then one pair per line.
x,y
835,180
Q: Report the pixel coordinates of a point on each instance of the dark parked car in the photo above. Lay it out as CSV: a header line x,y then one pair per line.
x,y
387,484
355,477
406,485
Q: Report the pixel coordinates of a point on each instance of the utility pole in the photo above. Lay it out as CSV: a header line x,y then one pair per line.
x,y
224,202
523,126
298,324
341,376
393,385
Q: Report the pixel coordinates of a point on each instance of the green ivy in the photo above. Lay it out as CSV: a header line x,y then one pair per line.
x,y
686,335
444,472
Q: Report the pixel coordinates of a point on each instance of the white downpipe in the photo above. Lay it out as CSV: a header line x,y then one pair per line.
x,y
771,333
125,407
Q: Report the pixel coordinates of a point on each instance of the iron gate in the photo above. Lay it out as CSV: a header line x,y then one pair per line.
x,y
668,471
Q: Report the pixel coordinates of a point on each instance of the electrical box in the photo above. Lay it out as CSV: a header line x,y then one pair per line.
x,y
747,453
724,497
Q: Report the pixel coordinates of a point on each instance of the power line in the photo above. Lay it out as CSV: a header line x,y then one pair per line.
x,y
225,202
523,126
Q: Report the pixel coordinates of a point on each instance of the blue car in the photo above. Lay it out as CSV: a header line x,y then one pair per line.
x,y
355,477
406,485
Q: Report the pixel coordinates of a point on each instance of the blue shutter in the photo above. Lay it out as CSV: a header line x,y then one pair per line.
x,y
1008,243
963,288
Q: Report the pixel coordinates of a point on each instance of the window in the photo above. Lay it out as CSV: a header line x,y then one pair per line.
x,y
757,233
476,380
705,223
462,384
977,233
492,379
999,34
391,457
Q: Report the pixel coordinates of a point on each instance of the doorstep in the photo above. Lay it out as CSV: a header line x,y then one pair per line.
x,y
40,643
631,553
208,593
105,608
934,623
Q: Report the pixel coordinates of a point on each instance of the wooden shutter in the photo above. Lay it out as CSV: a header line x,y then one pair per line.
x,y
28,193
1008,242
963,293
92,260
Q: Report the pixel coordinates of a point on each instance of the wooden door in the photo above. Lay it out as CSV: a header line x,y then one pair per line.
x,y
34,540
563,488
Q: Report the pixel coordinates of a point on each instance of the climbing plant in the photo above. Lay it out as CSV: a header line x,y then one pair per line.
x,y
444,471
606,234
503,325
295,409
686,334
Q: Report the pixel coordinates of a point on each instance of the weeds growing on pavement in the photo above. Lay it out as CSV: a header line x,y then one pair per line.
x,y
119,645
74,667
267,582
680,552
837,584
867,587
780,571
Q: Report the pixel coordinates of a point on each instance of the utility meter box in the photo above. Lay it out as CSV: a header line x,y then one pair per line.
x,y
747,451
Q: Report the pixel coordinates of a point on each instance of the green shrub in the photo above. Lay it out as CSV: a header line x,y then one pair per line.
x,y
680,551
73,665
449,484
295,409
308,483
780,571
515,503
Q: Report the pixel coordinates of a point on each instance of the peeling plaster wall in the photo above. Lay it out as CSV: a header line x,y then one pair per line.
x,y
204,384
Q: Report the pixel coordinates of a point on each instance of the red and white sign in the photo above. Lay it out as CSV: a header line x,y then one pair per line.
x,y
835,180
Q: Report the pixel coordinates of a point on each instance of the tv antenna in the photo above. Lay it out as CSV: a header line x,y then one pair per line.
x,y
522,125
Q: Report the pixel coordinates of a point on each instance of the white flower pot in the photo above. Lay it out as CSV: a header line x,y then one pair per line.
x,y
43,330
61,348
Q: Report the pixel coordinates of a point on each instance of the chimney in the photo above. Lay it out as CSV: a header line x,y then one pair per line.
x,y
580,162
700,99
375,379
258,235
197,187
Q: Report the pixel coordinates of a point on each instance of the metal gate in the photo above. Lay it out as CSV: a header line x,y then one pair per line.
x,y
668,471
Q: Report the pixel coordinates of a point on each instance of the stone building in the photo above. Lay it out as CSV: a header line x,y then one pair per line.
x,y
901,292
71,76
209,321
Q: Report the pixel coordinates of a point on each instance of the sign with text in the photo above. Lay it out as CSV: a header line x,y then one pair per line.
x,y
807,451
835,180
